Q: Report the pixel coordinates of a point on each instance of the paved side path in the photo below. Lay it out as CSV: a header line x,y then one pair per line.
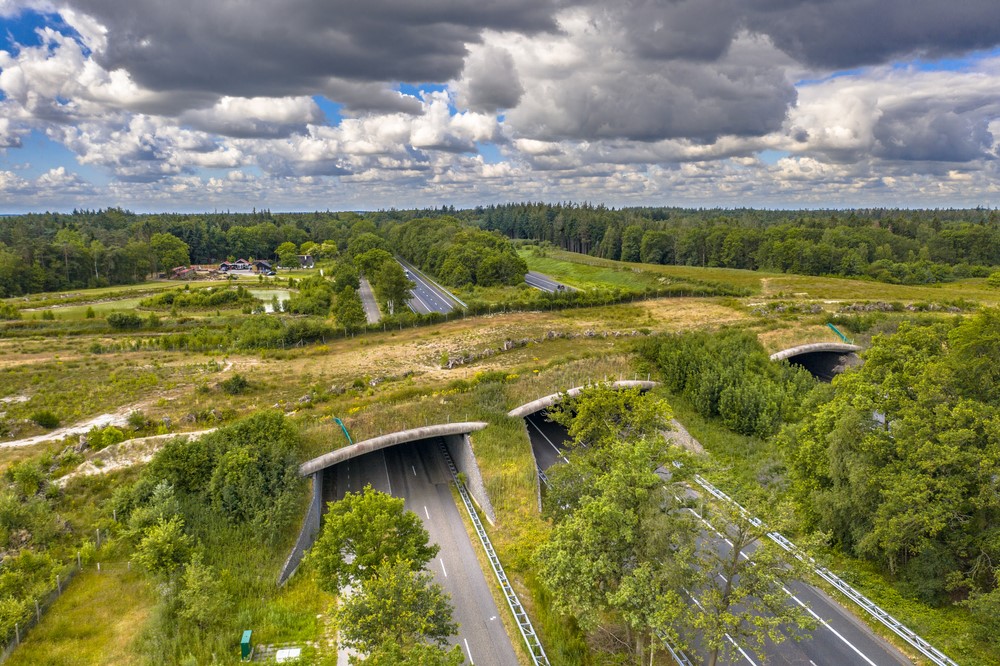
x,y
368,300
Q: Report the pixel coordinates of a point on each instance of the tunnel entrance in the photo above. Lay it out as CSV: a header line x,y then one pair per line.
x,y
825,365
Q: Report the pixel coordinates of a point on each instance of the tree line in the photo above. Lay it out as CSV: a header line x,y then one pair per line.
x,y
910,247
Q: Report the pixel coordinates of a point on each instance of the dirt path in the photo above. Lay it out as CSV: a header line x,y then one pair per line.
x,y
131,452
118,418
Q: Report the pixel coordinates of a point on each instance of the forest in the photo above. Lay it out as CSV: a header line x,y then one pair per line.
x,y
895,246
52,251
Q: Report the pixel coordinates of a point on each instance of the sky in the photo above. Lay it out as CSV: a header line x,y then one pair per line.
x,y
295,105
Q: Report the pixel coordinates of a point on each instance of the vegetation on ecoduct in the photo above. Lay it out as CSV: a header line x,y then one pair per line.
x,y
458,255
899,465
205,521
729,375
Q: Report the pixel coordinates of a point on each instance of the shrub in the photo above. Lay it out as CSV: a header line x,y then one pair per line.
x,y
235,385
136,420
8,311
45,418
124,320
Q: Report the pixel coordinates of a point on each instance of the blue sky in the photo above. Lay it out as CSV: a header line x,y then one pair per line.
x,y
152,106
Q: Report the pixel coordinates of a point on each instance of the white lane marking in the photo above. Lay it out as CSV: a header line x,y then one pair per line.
x,y
558,450
468,651
427,513
827,625
414,470
420,300
728,637
794,598
442,567
386,465
812,662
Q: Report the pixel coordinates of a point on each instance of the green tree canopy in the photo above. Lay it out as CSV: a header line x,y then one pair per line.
x,y
362,531
396,603
349,310
169,251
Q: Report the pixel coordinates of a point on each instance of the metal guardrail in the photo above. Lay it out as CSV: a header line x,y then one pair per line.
x,y
679,656
936,656
520,616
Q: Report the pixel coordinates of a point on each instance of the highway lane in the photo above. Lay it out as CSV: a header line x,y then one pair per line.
x,y
548,440
372,313
545,283
840,639
417,473
427,297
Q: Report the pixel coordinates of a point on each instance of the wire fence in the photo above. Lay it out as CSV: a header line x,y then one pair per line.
x,y
37,609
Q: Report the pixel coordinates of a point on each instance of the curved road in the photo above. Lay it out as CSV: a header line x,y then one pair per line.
x,y
841,639
543,282
418,473
427,296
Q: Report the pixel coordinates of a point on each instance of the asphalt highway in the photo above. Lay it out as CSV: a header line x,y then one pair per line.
x,y
427,297
418,473
545,283
840,638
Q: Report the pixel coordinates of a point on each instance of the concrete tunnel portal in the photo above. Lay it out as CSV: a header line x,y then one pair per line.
x,y
321,473
824,360
414,465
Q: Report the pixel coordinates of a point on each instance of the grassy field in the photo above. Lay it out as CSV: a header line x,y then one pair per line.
x,y
96,621
585,271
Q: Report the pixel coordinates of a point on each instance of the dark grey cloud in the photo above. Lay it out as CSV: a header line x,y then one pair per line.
x,y
248,49
919,134
699,30
829,34
608,93
839,34
490,81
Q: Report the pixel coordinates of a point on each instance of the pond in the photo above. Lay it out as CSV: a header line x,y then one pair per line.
x,y
267,295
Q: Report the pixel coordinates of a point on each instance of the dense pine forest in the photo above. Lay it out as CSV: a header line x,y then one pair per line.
x,y
897,246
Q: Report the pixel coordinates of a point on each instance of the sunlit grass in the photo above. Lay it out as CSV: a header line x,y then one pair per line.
x,y
96,621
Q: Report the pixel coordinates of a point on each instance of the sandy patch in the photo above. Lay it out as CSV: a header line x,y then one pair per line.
x,y
681,437
118,418
131,452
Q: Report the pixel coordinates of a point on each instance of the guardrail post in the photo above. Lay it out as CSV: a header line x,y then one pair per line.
x,y
538,656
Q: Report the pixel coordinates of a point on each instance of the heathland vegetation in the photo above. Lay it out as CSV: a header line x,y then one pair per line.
x,y
889,473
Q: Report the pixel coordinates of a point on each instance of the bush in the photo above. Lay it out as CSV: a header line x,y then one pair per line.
x,y
235,385
45,418
124,320
136,420
9,312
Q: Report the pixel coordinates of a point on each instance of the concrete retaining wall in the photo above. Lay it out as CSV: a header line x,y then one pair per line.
x,y
840,347
385,441
309,531
549,400
460,448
